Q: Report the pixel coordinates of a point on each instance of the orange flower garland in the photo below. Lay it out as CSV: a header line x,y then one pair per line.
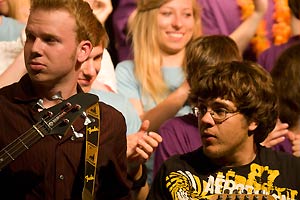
x,y
280,30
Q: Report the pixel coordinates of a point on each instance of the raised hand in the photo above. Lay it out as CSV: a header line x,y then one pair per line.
x,y
277,135
260,6
142,144
296,145
101,8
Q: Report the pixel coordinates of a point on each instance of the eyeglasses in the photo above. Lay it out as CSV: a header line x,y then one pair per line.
x,y
219,115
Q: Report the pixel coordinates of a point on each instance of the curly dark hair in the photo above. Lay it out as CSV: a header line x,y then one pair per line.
x,y
247,85
285,74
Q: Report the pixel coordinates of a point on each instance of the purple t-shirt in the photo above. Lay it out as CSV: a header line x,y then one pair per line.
x,y
284,146
217,20
268,58
120,18
180,135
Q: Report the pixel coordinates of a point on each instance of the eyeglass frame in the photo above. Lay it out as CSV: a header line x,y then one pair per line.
x,y
197,113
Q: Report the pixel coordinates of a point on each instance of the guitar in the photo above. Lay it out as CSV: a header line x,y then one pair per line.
x,y
55,121
241,197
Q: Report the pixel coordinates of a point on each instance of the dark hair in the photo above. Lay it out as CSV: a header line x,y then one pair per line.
x,y
247,85
210,50
295,7
286,77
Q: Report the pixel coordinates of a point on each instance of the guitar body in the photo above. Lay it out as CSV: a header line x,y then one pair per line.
x,y
54,121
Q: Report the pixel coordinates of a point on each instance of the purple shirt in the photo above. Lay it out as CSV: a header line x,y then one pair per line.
x,y
180,135
217,20
268,58
284,146
120,18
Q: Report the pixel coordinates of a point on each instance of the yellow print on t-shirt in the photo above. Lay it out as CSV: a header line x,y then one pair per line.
x,y
183,185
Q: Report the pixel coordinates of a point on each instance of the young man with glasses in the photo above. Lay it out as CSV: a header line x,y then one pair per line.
x,y
236,106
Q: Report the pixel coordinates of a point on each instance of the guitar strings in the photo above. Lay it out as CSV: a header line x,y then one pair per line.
x,y
31,135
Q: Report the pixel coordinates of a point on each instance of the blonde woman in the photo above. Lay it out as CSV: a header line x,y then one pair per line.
x,y
154,80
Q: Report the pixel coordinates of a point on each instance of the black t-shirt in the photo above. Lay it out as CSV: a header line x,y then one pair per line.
x,y
193,176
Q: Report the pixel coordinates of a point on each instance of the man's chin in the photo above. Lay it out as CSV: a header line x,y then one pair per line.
x,y
85,88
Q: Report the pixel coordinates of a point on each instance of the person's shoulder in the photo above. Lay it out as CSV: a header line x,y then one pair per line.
x,y
9,20
112,119
191,159
108,109
278,157
9,89
106,97
179,122
175,121
127,64
125,73
115,100
274,50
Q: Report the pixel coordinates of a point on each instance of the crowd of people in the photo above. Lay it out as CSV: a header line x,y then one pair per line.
x,y
189,102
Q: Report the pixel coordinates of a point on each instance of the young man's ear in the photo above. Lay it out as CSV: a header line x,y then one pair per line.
x,y
84,49
252,126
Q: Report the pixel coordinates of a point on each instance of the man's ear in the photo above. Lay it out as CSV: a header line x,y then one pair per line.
x,y
84,49
252,126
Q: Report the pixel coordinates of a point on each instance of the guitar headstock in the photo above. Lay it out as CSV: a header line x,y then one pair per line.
x,y
57,119
242,197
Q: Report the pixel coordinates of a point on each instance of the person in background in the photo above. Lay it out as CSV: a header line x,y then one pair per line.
x,y
13,15
140,146
123,14
154,81
13,68
254,25
180,134
60,37
268,58
106,80
215,20
101,8
18,10
88,74
11,24
235,115
285,74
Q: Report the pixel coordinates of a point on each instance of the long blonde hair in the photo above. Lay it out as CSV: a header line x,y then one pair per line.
x,y
146,51
19,9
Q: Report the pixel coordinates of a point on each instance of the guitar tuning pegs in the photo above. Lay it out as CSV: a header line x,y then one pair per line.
x,y
255,197
49,114
68,105
77,107
265,197
66,121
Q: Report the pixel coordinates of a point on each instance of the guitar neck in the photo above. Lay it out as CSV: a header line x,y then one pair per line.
x,y
19,145
55,121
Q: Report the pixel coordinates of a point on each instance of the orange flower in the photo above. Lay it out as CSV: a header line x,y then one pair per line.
x,y
281,30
